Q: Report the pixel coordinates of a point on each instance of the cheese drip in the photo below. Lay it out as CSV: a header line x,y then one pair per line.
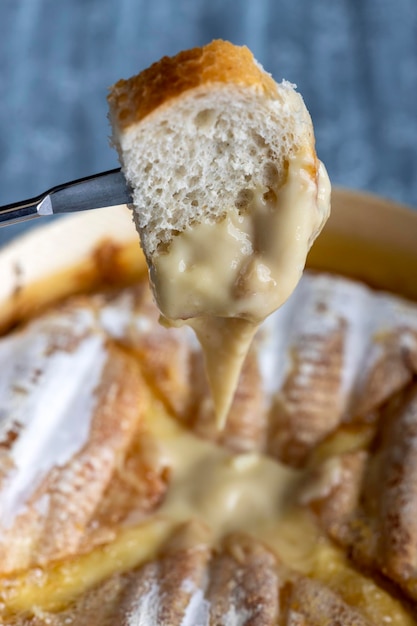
x,y
224,278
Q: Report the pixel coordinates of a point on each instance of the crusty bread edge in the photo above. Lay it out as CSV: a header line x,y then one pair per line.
x,y
196,73
132,100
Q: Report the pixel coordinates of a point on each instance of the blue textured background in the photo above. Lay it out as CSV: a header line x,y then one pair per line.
x,y
354,61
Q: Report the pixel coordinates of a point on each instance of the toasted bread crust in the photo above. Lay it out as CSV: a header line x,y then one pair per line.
x,y
218,62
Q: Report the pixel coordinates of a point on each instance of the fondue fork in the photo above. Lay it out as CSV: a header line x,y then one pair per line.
x,y
93,192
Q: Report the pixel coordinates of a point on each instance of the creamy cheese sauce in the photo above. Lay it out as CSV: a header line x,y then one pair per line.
x,y
228,491
247,492
225,278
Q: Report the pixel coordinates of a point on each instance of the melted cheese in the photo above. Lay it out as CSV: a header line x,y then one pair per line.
x,y
228,491
225,278
331,567
53,588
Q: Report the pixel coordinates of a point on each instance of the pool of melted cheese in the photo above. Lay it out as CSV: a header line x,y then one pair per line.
x,y
248,492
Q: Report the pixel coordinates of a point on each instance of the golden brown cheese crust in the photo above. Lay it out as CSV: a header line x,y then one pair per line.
x,y
239,581
368,502
218,62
